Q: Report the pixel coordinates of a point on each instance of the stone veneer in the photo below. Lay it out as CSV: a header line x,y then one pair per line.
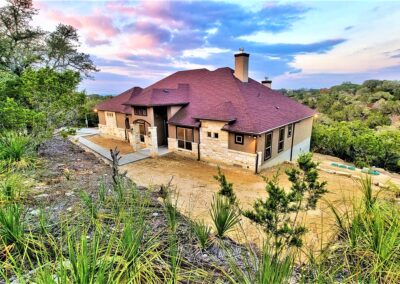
x,y
114,132
173,146
216,149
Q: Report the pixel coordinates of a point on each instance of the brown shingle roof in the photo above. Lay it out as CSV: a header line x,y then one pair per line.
x,y
218,95
116,103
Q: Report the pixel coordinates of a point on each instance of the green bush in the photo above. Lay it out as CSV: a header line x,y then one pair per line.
x,y
17,149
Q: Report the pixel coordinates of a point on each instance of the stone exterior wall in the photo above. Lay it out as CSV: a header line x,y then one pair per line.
x,y
173,146
112,132
216,150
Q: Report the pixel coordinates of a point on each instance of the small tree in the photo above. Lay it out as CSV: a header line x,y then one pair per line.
x,y
278,214
226,188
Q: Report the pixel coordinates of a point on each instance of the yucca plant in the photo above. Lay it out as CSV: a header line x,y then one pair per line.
x,y
224,215
202,232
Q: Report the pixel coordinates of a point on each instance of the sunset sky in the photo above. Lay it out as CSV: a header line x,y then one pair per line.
x,y
296,44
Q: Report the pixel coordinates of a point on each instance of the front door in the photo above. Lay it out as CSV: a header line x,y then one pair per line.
x,y
160,121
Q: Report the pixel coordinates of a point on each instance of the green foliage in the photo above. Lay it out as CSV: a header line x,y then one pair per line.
x,y
224,215
11,225
278,214
368,246
11,187
16,150
202,232
354,141
226,188
261,268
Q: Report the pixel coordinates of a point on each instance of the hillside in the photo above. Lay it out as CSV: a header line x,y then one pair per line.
x,y
358,123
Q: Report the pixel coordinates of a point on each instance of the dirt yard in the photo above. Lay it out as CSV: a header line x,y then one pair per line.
x,y
194,185
109,143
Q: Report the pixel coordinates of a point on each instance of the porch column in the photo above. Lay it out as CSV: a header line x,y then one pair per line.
x,y
135,138
153,145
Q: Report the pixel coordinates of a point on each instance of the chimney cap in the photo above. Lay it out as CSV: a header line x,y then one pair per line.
x,y
266,81
242,53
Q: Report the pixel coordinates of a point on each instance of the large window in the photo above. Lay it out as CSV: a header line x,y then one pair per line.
x,y
290,130
268,146
185,137
281,142
141,111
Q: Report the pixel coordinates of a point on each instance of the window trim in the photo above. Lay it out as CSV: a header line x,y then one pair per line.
x,y
290,130
140,111
270,146
281,141
242,139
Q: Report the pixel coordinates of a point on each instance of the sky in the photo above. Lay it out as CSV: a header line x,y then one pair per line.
x,y
307,44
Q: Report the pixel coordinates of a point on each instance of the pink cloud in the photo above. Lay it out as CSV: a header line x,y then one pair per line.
x,y
97,28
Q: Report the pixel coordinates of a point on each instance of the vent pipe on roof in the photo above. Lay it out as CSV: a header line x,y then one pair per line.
x,y
242,65
267,82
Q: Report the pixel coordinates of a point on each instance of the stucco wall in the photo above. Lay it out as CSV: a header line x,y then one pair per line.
x,y
172,110
149,118
102,117
121,119
249,143
302,137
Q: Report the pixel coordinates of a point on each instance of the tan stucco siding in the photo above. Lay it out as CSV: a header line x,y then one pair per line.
x,y
303,130
249,143
120,120
148,118
172,110
102,117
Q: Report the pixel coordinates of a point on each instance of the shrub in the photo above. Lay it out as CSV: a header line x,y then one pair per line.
x,y
224,215
226,188
202,232
279,212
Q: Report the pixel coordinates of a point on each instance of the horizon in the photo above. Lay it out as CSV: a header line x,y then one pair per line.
x,y
296,44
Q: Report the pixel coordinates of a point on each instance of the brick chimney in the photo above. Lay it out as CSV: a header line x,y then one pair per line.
x,y
267,82
242,65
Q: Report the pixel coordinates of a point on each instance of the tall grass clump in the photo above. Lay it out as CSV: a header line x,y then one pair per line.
x,y
224,215
12,227
367,248
261,267
17,149
202,232
11,187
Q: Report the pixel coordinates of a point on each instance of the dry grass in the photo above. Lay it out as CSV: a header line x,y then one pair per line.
x,y
195,187
109,143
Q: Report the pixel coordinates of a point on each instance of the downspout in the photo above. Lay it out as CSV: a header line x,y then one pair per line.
x,y
291,147
198,146
255,150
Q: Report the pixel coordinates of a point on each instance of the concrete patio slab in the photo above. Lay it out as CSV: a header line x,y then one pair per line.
x,y
105,153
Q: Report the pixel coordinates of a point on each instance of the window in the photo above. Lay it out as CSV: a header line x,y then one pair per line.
x,y
142,111
110,114
289,130
239,139
142,131
185,137
212,135
281,142
268,146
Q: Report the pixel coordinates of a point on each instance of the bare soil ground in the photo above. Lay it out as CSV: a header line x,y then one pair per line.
x,y
109,143
194,185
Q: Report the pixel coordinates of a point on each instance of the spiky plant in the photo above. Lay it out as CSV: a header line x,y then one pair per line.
x,y
224,215
202,232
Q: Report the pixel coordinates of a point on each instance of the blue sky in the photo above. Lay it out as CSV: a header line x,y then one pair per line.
x,y
297,44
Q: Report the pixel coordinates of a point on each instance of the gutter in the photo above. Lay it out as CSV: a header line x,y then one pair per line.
x,y
291,147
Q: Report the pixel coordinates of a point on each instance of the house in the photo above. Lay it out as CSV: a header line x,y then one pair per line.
x,y
220,116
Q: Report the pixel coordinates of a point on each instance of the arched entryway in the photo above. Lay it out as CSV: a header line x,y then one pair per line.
x,y
143,128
